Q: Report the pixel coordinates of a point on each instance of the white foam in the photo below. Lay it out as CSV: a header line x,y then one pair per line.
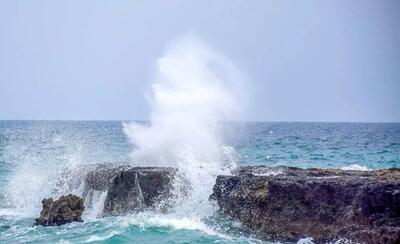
x,y
94,238
307,240
270,172
148,219
355,167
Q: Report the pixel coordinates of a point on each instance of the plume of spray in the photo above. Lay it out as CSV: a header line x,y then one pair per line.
x,y
196,88
37,167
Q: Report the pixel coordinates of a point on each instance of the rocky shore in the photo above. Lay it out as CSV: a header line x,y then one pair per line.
x,y
279,203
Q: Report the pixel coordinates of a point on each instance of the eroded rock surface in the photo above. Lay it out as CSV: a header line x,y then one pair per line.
x,y
286,203
65,210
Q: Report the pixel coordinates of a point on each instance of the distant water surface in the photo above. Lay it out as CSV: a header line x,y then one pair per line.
x,y
327,145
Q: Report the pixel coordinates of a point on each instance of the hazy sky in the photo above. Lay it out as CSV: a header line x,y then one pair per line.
x,y
308,60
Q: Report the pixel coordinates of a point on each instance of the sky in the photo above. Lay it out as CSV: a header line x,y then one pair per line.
x,y
306,60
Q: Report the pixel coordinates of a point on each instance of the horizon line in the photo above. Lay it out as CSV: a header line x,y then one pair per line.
x,y
247,121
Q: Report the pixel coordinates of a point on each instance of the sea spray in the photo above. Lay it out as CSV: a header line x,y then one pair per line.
x,y
196,88
48,160
38,168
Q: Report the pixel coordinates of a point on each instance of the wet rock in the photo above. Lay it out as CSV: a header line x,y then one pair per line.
x,y
65,210
286,203
138,189
100,177
132,189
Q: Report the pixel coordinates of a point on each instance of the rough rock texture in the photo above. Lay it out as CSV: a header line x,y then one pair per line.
x,y
285,203
132,189
65,210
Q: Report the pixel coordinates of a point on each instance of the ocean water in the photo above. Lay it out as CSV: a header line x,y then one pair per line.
x,y
33,155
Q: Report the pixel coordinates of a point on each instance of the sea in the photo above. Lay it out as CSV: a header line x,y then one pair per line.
x,y
34,153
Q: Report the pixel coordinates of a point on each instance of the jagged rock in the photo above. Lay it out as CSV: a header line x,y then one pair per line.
x,y
286,203
65,210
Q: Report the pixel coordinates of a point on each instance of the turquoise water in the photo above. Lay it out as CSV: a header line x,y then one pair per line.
x,y
327,145
33,153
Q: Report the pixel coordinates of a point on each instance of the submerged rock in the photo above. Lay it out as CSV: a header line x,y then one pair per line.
x,y
286,203
133,189
65,210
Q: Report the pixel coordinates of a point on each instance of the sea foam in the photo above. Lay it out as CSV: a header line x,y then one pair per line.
x,y
355,167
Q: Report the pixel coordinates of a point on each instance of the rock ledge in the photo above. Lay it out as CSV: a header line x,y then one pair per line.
x,y
287,203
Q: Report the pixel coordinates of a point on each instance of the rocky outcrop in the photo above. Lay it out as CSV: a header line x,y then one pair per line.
x,y
65,210
132,189
285,203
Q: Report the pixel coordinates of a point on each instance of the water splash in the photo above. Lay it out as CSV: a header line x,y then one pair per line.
x,y
94,205
37,168
140,198
46,159
196,88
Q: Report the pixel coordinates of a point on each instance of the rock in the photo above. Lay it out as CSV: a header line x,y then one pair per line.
x,y
101,177
133,189
139,189
65,210
286,203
